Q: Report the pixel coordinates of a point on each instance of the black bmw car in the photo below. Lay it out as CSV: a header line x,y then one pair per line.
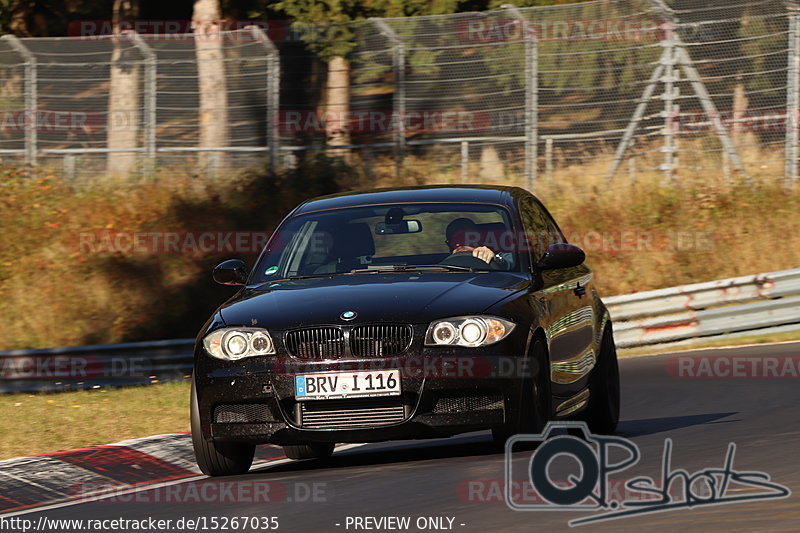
x,y
402,313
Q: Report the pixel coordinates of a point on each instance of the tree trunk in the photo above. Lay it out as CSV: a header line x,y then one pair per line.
x,y
491,169
122,123
743,136
212,82
338,106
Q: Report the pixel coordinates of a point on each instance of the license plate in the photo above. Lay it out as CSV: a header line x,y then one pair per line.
x,y
329,385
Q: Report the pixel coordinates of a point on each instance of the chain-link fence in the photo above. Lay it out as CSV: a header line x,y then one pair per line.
x,y
131,104
607,91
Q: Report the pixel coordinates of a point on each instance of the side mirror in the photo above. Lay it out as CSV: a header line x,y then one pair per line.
x,y
561,255
231,272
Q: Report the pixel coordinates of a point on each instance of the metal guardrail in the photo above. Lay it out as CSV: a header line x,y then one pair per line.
x,y
94,367
746,305
764,303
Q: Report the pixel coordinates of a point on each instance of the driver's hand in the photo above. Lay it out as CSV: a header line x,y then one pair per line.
x,y
484,253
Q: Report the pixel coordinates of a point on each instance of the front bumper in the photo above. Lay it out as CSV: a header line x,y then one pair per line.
x,y
442,395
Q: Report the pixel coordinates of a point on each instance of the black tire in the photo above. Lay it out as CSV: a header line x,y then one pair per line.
x,y
309,451
602,414
534,410
218,458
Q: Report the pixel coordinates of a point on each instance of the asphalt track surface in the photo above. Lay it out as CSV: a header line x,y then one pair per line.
x,y
460,477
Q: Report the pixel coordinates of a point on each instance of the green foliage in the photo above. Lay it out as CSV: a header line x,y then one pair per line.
x,y
5,15
44,264
762,37
334,35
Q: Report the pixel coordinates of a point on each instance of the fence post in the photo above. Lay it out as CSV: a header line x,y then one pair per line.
x,y
399,98
669,110
531,97
149,100
464,161
711,110
792,96
31,97
69,167
726,167
548,158
680,56
632,169
273,96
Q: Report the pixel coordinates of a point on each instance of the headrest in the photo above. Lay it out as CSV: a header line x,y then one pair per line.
x,y
354,240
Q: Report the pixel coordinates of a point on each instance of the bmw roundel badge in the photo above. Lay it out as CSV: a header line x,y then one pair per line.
x,y
348,315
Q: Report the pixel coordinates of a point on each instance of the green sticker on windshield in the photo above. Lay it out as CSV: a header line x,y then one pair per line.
x,y
270,271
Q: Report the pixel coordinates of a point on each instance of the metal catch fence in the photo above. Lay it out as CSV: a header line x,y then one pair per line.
x,y
610,90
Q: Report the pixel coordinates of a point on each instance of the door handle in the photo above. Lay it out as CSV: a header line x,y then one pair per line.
x,y
578,290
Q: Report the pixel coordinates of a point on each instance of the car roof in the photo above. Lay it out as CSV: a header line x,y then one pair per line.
x,y
431,193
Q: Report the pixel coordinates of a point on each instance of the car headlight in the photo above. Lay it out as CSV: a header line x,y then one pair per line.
x,y
237,343
468,331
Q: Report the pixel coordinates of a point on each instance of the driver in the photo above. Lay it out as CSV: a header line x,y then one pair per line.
x,y
459,231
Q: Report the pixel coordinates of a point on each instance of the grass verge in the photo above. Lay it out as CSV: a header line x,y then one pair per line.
x,y
639,234
78,419
45,423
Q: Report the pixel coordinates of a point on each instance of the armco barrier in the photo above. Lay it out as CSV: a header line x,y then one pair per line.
x,y
84,367
716,309
730,307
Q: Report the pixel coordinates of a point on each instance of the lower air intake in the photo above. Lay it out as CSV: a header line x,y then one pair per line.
x,y
242,413
467,404
352,414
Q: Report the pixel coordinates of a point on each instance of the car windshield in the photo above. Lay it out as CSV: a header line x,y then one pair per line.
x,y
435,237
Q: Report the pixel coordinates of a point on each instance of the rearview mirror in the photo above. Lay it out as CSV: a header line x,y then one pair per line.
x,y
231,272
404,226
561,255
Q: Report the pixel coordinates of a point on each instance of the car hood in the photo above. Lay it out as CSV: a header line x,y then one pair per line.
x,y
385,297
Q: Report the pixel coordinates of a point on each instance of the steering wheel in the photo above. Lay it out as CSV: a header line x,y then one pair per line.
x,y
466,259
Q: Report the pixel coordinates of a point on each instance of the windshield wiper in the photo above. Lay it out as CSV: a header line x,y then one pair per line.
x,y
306,276
415,268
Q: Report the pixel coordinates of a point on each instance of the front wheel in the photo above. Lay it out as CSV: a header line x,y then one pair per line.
x,y
534,410
602,414
218,458
309,451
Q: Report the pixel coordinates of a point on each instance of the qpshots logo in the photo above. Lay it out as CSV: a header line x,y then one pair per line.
x,y
592,488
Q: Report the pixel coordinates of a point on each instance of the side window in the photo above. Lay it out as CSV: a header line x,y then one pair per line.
x,y
554,234
540,228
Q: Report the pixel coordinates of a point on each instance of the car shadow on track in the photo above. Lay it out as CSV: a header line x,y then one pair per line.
x,y
456,447
473,445
650,426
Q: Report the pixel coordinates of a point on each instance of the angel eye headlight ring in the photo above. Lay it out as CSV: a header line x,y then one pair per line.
x,y
234,343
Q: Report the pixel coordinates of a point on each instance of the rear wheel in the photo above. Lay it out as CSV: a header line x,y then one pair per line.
x,y
602,414
218,458
534,409
309,451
